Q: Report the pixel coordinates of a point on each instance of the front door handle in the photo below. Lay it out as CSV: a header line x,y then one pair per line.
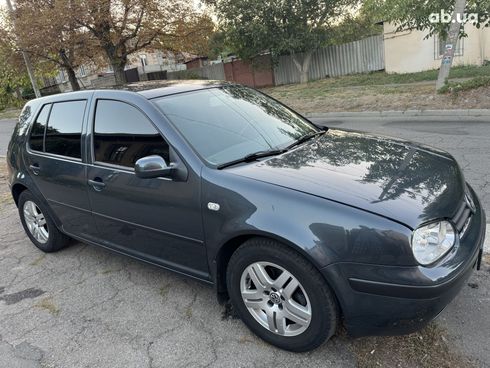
x,y
97,184
35,169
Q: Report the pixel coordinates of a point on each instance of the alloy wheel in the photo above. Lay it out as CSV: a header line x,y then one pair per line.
x,y
36,222
275,298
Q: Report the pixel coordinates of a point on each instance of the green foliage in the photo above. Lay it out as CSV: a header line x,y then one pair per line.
x,y
357,26
415,14
13,80
474,83
279,27
217,46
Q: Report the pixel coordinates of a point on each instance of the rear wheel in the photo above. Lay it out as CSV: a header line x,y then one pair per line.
x,y
280,296
38,225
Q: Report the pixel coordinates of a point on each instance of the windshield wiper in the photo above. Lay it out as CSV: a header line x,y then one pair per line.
x,y
304,138
273,152
252,157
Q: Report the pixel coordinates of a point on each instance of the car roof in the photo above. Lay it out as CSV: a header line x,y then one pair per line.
x,y
147,89
153,89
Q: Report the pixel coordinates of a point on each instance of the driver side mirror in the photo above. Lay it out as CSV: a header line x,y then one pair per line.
x,y
152,167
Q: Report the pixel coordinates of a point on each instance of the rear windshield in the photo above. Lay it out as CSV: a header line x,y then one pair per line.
x,y
227,123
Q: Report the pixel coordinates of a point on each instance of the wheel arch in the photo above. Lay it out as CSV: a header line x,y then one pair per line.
x,y
20,186
229,247
17,189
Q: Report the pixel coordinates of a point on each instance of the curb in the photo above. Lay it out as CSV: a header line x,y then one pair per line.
x,y
424,113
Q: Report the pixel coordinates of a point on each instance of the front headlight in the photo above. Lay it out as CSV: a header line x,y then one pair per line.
x,y
431,242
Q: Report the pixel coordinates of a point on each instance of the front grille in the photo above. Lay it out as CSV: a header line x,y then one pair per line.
x,y
462,218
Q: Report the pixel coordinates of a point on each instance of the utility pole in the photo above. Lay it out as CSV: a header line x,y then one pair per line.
x,y
25,56
457,21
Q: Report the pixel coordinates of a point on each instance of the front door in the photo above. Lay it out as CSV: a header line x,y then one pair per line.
x,y
54,161
158,220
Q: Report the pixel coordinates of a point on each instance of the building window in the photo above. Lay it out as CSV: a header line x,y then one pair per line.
x,y
440,47
81,71
143,60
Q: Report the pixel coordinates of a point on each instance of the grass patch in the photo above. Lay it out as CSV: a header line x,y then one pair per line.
x,y
474,83
381,91
425,349
110,270
5,198
38,260
164,290
5,195
188,312
380,78
48,305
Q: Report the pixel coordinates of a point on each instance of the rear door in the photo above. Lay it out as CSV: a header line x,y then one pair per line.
x,y
54,160
159,219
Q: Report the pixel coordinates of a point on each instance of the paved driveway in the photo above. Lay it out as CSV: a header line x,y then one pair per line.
x,y
88,307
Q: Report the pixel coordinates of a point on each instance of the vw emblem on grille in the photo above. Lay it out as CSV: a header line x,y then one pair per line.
x,y
470,203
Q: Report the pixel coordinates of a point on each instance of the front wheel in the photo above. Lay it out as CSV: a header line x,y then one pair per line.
x,y
280,296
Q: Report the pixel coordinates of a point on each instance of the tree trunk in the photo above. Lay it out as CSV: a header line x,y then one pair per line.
x,y
67,65
451,43
303,67
72,78
117,62
119,74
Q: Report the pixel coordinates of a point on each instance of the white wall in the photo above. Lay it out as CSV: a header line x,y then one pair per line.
x,y
409,51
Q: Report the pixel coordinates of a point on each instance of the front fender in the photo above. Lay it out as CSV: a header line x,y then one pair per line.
x,y
324,231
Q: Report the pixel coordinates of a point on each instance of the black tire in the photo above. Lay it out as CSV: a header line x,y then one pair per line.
x,y
56,239
324,309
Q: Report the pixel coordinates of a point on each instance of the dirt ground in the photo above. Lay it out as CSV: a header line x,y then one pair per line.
x,y
318,97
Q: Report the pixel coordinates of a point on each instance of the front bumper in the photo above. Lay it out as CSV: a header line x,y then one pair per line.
x,y
392,300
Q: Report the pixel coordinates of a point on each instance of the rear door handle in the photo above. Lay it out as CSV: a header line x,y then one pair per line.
x,y
97,184
35,169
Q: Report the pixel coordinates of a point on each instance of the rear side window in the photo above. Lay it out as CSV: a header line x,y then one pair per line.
x,y
64,129
37,132
122,135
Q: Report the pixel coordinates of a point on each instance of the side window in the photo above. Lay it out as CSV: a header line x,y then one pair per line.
x,y
37,132
122,135
64,129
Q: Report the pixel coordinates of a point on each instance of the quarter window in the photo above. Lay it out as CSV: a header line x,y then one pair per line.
x,y
64,129
37,132
122,135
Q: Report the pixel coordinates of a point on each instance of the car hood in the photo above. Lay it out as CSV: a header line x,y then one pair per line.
x,y
405,182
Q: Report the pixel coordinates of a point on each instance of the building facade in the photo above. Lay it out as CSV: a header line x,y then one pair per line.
x,y
410,51
144,65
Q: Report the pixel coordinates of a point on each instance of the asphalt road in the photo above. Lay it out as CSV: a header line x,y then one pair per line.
x,y
88,307
6,129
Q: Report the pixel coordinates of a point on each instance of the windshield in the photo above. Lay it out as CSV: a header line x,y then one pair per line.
x,y
227,123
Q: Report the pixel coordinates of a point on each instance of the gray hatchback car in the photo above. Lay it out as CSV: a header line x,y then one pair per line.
x,y
299,226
